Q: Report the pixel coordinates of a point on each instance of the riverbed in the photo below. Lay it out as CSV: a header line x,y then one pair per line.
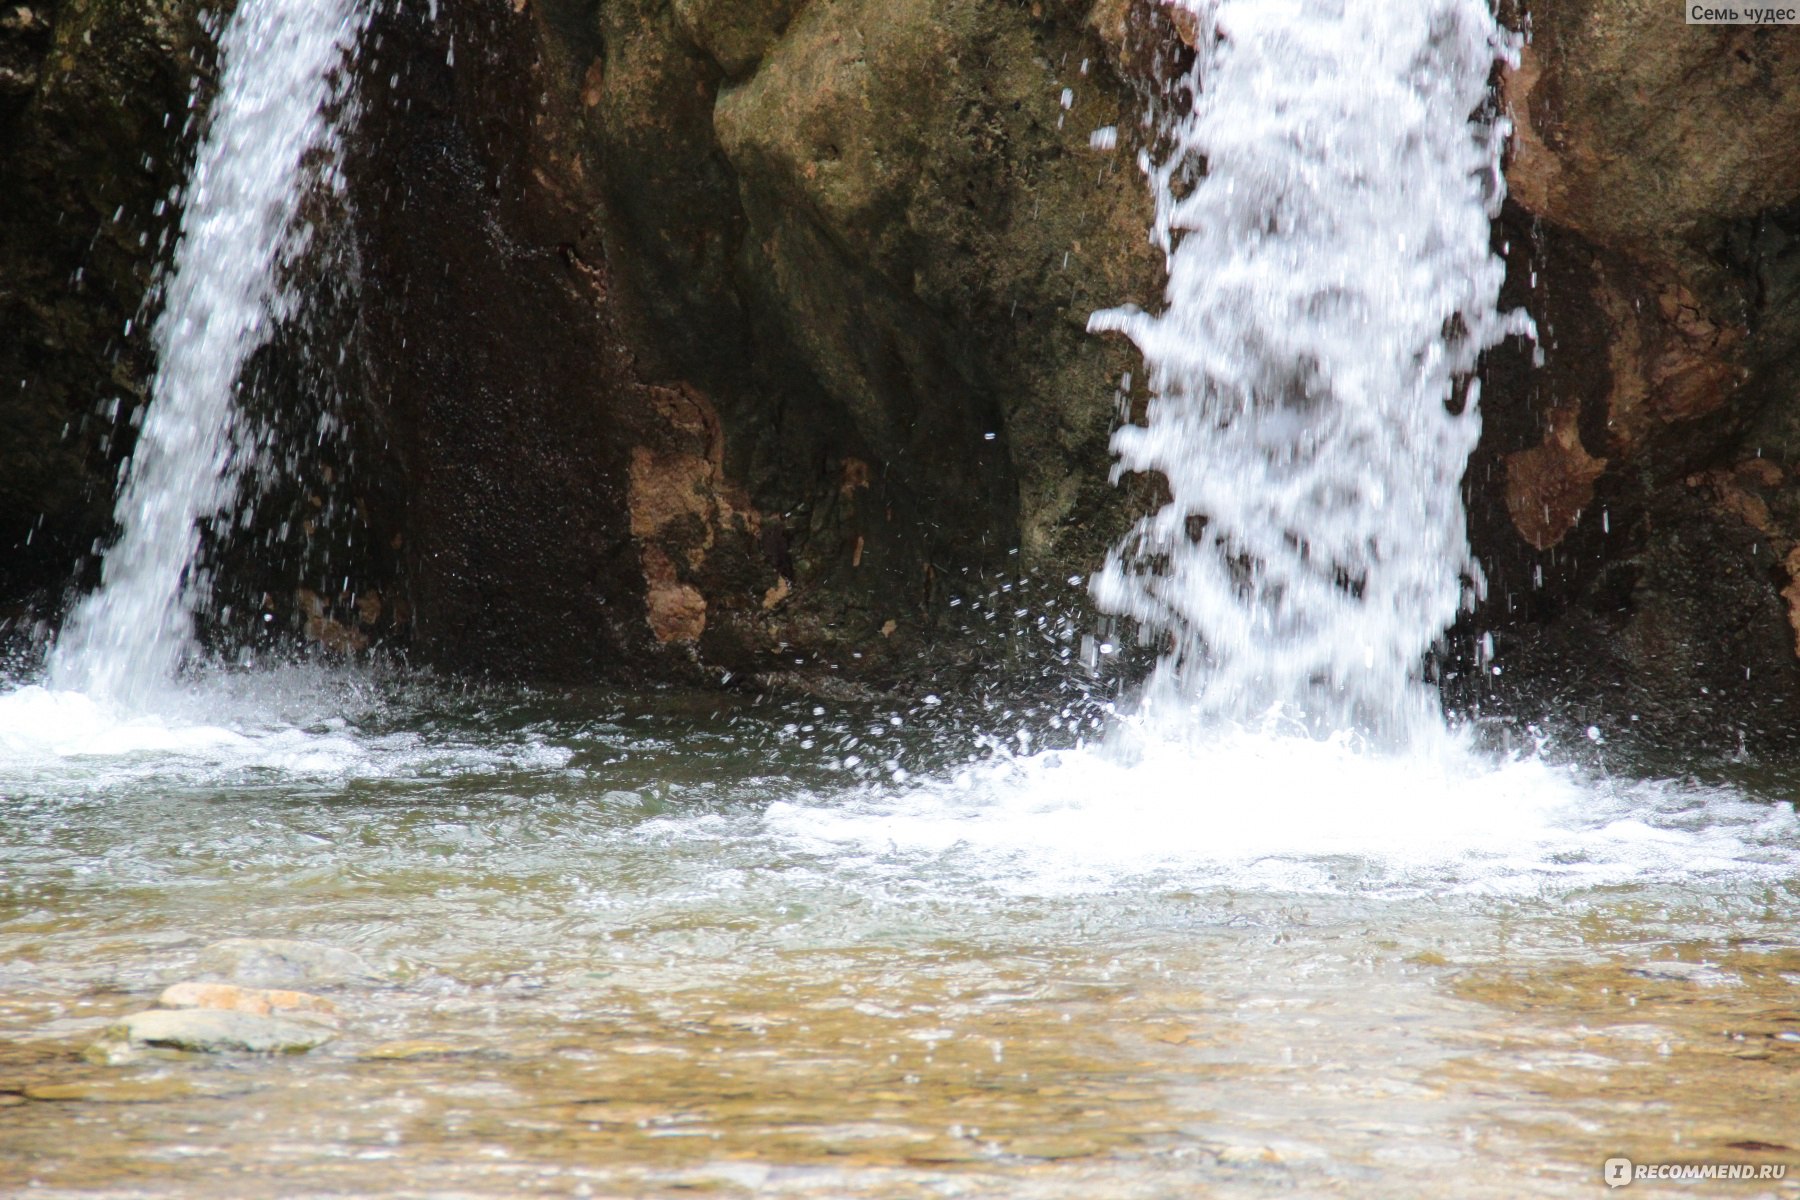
x,y
676,943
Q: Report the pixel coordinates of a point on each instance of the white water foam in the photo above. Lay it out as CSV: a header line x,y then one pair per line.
x,y
272,135
1298,815
290,721
283,719
1330,288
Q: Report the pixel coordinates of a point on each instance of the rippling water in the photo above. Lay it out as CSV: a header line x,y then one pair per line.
x,y
678,941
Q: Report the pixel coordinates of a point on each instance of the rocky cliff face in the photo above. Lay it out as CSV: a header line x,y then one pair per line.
x,y
748,336
841,259
1632,496
760,326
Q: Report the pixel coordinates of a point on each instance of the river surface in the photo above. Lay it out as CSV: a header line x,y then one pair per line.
x,y
678,944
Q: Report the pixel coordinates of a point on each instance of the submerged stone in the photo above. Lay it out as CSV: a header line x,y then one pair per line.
x,y
274,962
206,1031
262,1002
1682,972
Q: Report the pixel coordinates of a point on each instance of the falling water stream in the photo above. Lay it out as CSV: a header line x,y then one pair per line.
x,y
1324,211
1274,928
271,136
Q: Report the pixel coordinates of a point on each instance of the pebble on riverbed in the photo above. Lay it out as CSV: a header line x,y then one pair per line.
x,y
260,1002
280,962
204,1031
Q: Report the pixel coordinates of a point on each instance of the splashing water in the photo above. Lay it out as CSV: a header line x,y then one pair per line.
x,y
1324,206
273,133
1324,210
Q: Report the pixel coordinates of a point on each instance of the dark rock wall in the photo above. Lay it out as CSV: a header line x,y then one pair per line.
x,y
1632,498
722,335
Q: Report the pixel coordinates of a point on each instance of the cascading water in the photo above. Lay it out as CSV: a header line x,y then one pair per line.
x,y
1324,205
273,134
1324,209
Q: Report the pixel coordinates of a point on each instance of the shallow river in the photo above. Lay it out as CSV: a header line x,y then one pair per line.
x,y
682,944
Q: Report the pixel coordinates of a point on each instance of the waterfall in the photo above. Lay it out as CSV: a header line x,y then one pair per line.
x,y
272,135
1324,206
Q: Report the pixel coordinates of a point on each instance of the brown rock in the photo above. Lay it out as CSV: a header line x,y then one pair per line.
x,y
1632,128
676,610
1791,594
204,1031
1547,487
336,636
1738,494
735,33
667,487
1533,171
368,607
270,962
1670,361
262,1002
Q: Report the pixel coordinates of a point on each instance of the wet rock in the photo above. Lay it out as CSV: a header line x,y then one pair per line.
x,y
1633,130
1627,501
206,1031
753,261
262,1002
805,287
100,106
1685,972
274,962
730,333
1549,486
326,631
735,33
912,186
676,610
